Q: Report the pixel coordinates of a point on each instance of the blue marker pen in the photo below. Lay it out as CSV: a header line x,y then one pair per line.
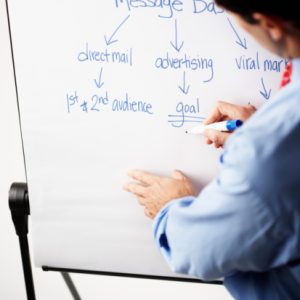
x,y
229,125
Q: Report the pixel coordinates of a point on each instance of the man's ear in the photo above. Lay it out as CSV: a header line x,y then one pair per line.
x,y
273,25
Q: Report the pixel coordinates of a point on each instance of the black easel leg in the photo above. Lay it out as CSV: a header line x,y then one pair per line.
x,y
68,280
27,267
20,210
19,207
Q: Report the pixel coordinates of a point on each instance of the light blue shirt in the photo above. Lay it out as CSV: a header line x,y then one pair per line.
x,y
245,225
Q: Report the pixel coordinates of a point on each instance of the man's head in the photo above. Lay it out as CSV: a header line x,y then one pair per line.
x,y
274,24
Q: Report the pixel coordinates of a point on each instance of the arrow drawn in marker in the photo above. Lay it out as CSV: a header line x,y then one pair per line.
x,y
266,94
98,82
240,42
184,88
176,45
111,40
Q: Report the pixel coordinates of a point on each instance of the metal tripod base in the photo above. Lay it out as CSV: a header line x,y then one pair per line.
x,y
19,207
20,210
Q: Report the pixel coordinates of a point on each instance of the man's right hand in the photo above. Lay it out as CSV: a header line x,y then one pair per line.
x,y
225,111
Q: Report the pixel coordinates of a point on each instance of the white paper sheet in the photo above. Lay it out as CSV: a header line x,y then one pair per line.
x,y
78,64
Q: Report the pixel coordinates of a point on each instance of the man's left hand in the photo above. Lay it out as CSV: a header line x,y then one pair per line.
x,y
154,191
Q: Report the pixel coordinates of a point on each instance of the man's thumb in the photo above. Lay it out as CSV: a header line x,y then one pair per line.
x,y
217,137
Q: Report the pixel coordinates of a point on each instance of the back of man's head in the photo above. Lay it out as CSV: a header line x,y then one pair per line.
x,y
287,9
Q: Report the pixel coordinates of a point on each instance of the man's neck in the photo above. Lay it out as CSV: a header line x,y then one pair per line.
x,y
293,42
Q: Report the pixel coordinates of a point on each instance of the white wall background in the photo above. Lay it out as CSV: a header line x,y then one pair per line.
x,y
50,285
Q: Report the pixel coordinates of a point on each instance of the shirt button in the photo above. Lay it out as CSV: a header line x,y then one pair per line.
x,y
222,158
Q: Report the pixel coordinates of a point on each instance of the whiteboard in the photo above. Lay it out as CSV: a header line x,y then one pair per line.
x,y
108,86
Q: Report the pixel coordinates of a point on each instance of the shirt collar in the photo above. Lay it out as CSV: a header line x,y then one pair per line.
x,y
295,77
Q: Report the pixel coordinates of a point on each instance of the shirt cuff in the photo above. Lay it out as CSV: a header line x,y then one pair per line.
x,y
160,225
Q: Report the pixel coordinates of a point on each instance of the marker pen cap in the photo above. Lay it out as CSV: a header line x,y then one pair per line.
x,y
231,125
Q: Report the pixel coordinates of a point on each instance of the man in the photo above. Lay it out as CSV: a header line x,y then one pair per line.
x,y
245,225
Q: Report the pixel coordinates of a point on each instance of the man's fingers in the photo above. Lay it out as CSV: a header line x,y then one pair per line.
x,y
142,200
208,141
144,177
221,111
135,188
216,137
215,116
178,175
148,213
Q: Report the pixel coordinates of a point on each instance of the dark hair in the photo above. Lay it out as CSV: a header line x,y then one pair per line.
x,y
287,10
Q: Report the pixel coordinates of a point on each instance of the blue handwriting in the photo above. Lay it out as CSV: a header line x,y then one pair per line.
x,y
98,102
99,83
106,56
72,99
201,6
184,88
249,63
176,45
240,42
131,105
265,93
167,6
186,62
186,113
111,40
275,65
